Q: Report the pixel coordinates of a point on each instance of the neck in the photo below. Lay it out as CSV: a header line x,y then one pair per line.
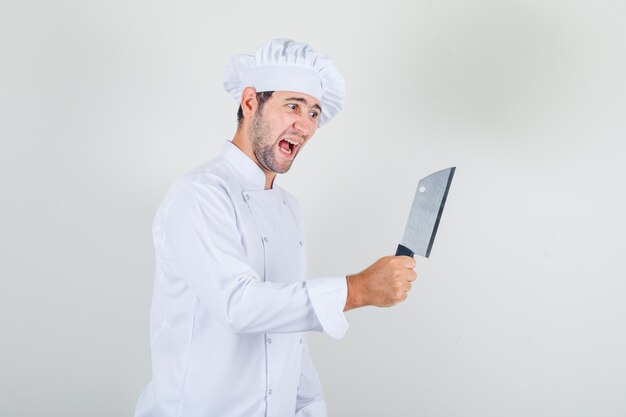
x,y
243,143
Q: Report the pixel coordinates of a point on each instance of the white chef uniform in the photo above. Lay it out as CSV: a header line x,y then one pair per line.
x,y
231,302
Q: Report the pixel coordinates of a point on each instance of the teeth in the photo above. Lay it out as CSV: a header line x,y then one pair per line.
x,y
287,151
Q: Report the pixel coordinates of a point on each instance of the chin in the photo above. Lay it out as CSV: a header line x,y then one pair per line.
x,y
284,170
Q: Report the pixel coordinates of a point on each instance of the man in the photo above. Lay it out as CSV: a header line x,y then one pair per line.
x,y
231,303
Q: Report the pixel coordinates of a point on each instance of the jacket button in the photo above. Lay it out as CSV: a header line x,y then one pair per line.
x,y
269,391
301,244
247,196
266,239
269,341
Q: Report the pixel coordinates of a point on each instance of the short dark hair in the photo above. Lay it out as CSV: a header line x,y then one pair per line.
x,y
261,97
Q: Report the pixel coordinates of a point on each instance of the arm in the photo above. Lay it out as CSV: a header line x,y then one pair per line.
x,y
310,400
200,246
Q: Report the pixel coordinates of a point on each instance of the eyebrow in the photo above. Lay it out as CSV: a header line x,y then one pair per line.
x,y
303,100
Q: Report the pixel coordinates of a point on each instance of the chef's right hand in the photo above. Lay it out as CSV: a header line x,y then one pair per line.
x,y
385,283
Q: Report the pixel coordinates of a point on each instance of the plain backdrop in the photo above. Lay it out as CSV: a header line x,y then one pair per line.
x,y
519,312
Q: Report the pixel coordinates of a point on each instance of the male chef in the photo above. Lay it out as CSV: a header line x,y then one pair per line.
x,y
232,303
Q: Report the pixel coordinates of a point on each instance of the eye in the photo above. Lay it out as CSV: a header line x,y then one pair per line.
x,y
314,114
292,106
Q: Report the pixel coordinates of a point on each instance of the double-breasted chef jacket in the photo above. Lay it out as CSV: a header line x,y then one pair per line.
x,y
231,302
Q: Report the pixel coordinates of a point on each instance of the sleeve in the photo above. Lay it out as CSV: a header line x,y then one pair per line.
x,y
201,247
310,399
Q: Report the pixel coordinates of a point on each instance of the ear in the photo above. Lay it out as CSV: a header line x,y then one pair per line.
x,y
249,102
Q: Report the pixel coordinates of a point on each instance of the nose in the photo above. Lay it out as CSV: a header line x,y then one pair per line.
x,y
305,125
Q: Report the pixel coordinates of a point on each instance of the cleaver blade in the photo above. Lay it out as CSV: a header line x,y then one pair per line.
x,y
421,226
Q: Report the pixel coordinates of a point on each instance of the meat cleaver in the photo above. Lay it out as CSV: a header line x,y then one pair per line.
x,y
426,210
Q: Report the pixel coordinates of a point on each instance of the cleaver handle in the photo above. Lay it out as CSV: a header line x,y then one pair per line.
x,y
404,251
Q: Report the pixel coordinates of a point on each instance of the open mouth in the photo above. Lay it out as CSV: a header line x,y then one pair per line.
x,y
287,147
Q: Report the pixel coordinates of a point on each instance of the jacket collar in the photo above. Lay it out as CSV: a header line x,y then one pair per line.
x,y
251,176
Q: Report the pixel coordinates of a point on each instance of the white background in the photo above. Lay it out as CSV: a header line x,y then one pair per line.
x,y
520,311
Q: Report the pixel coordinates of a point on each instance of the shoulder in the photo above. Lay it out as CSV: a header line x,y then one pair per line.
x,y
216,172
209,185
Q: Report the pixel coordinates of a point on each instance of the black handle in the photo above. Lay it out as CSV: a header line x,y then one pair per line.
x,y
404,251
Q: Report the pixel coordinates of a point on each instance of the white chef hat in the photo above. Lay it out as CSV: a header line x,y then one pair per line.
x,y
286,65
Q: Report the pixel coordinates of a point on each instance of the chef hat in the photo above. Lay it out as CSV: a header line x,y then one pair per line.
x,y
286,65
